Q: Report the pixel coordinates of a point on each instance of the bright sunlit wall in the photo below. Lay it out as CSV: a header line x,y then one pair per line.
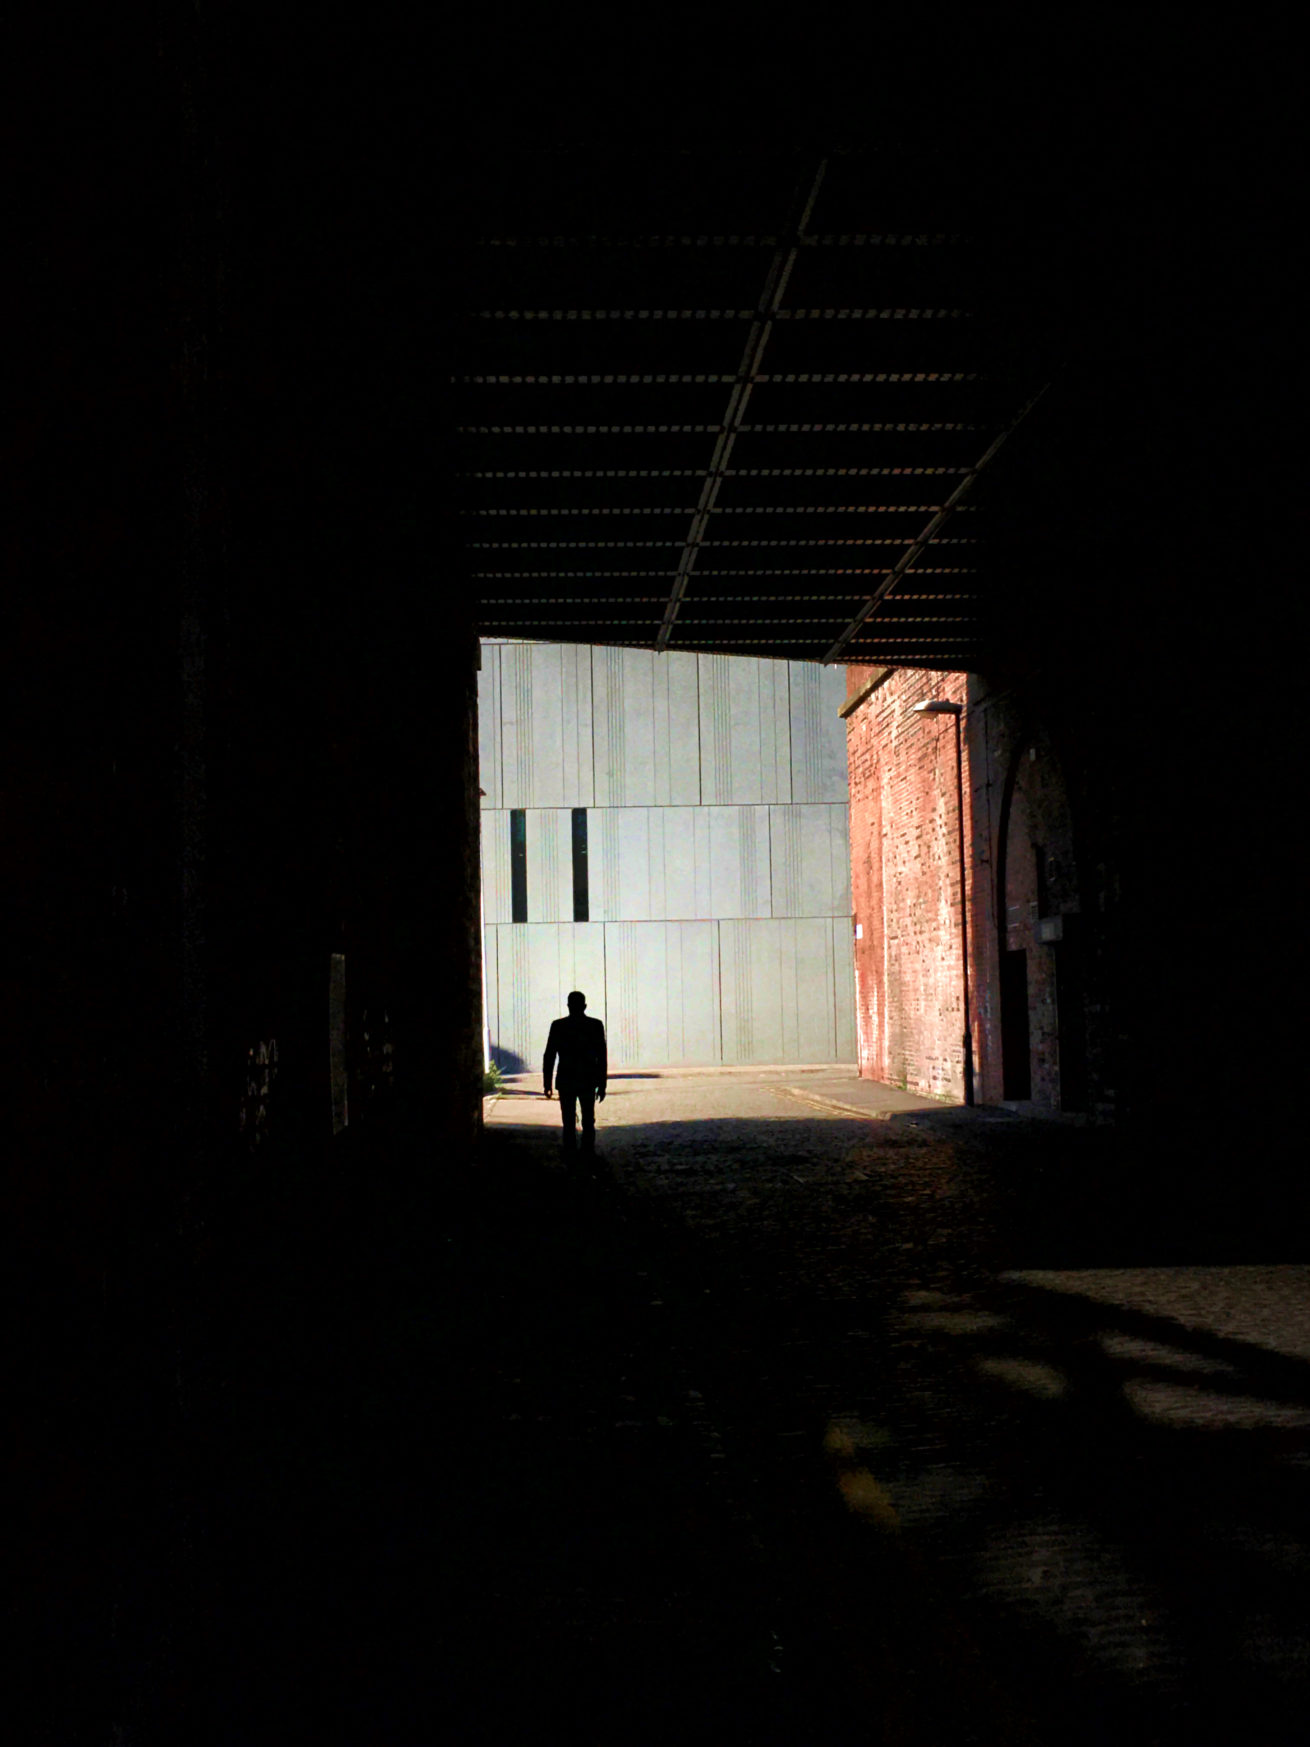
x,y
668,833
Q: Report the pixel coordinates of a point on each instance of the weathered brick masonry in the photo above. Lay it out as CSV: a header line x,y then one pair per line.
x,y
905,883
1040,891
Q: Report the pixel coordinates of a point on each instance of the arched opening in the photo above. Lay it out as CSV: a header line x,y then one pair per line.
x,y
1043,999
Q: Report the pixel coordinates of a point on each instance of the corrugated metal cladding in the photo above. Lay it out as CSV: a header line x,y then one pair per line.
x,y
717,847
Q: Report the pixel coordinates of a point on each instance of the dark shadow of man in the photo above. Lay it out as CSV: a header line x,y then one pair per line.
x,y
578,1045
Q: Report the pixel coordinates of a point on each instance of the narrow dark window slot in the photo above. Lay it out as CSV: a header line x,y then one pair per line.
x,y
581,893
518,865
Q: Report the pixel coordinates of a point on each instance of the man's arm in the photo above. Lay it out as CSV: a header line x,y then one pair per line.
x,y
548,1060
602,1062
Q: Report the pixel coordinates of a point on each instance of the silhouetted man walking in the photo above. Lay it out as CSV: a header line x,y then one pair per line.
x,y
578,1044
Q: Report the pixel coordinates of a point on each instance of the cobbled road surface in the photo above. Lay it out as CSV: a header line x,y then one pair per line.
x,y
816,1413
966,1465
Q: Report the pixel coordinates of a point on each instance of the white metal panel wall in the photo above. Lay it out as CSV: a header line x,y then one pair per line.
x,y
678,831
779,990
603,857
634,835
718,851
745,730
513,1008
677,773
582,966
489,726
534,726
550,864
738,991
677,863
657,864
775,731
818,756
531,967
490,966
544,726
812,996
810,856
692,969
739,861
516,724
750,977
495,868
576,754
623,726
843,959
839,847
653,984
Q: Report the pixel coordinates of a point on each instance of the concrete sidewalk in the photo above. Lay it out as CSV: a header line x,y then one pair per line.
x,y
835,1086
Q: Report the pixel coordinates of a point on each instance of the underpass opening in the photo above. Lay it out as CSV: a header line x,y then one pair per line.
x,y
683,858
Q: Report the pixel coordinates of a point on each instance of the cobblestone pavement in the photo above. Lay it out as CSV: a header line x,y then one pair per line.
x,y
819,1412
986,1499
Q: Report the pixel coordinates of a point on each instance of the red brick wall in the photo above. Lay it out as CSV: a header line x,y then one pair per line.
x,y
1042,886
905,882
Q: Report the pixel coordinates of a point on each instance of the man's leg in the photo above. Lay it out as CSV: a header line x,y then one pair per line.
x,y
587,1100
568,1109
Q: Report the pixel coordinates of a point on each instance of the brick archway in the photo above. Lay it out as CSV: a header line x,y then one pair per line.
x,y
1043,1018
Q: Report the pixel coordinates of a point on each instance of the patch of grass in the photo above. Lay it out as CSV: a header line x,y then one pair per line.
x,y
492,1080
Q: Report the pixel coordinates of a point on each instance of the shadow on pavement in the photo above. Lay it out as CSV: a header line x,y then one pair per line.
x,y
745,1436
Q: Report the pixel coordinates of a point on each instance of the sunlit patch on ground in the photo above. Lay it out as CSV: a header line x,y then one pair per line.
x,y
954,1322
1268,1306
1134,1349
1183,1404
1030,1375
1017,1436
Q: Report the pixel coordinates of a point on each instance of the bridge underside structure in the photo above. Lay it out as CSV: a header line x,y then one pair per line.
x,y
730,402
324,372
901,409
368,382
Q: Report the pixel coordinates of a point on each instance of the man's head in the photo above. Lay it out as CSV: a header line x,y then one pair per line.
x,y
577,1002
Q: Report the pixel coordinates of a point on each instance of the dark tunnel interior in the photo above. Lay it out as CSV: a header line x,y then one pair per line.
x,y
267,1483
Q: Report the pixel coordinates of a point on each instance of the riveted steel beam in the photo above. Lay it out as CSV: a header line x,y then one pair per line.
x,y
774,290
919,545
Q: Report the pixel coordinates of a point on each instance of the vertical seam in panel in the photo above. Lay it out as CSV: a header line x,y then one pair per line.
x,y
791,750
772,910
700,773
759,719
500,724
563,745
832,960
718,980
725,711
591,718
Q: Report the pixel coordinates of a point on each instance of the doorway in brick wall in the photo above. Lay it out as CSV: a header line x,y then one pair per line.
x,y
1043,1000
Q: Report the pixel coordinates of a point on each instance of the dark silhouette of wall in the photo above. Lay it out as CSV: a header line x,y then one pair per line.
x,y
238,696
239,738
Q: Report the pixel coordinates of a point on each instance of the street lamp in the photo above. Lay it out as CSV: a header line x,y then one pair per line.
x,y
942,707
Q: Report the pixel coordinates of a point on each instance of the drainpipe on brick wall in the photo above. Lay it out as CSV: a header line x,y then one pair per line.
x,y
942,707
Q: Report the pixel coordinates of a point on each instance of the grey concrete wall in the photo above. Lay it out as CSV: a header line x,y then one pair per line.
x,y
718,853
